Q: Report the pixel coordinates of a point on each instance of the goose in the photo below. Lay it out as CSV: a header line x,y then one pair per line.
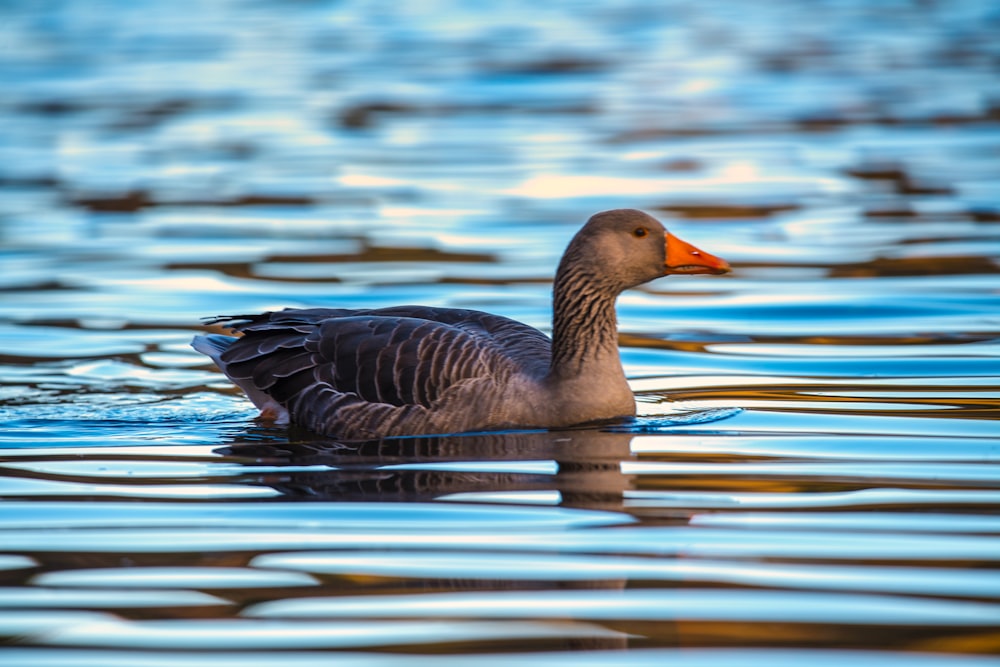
x,y
365,374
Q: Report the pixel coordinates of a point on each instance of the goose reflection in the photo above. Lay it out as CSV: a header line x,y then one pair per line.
x,y
578,468
573,468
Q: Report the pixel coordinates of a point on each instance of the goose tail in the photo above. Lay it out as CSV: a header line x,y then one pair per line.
x,y
213,345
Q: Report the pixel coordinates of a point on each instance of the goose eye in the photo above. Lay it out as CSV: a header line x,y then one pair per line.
x,y
639,232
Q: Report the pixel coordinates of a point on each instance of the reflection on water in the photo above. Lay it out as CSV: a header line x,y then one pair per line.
x,y
813,475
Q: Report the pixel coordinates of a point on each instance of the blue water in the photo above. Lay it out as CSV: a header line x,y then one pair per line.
x,y
813,475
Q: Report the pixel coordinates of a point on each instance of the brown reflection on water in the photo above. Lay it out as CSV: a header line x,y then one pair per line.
x,y
587,467
870,398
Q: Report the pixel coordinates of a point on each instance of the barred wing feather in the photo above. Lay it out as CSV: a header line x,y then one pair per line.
x,y
359,372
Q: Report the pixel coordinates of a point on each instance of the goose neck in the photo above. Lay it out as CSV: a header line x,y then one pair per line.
x,y
584,325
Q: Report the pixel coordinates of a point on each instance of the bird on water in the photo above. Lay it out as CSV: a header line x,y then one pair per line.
x,y
361,374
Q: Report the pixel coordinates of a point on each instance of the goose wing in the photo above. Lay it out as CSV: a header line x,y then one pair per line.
x,y
361,373
519,342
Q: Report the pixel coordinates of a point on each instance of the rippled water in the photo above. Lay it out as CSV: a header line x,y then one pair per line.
x,y
814,475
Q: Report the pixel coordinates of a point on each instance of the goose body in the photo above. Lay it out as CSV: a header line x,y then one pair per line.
x,y
410,370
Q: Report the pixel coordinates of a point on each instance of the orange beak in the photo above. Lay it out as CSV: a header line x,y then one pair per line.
x,y
682,257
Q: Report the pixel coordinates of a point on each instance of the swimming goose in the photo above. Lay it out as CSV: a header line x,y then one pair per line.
x,y
410,370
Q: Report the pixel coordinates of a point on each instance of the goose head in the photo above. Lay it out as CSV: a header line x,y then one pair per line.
x,y
629,248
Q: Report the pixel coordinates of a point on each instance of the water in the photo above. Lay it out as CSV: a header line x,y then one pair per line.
x,y
812,479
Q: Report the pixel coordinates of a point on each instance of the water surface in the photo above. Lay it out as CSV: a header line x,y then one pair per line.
x,y
813,478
